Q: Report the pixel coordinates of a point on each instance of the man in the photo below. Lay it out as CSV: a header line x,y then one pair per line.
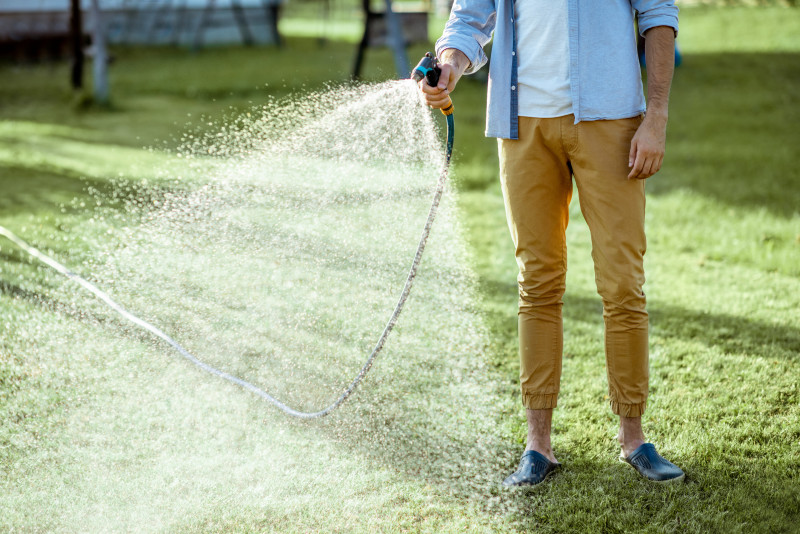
x,y
566,100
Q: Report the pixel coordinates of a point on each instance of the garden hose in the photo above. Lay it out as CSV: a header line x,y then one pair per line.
x,y
141,323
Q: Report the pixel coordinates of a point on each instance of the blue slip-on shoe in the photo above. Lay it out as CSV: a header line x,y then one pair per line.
x,y
533,468
652,465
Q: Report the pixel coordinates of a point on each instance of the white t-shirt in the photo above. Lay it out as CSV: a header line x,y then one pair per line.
x,y
542,58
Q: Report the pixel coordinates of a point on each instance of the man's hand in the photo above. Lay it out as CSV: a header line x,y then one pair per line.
x,y
648,144
647,147
453,64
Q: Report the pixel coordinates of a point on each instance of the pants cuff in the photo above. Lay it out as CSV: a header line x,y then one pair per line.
x,y
628,410
533,401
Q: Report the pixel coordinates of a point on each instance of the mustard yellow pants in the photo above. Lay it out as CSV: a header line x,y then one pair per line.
x,y
536,174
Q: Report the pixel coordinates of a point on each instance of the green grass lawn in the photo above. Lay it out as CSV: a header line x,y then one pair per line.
x,y
724,295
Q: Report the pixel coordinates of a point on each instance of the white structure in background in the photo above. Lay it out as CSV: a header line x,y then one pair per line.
x,y
100,55
442,7
175,22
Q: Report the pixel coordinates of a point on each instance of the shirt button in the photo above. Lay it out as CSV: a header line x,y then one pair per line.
x,y
513,53
513,87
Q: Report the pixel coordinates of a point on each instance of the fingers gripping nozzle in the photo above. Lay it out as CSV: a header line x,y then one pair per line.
x,y
428,68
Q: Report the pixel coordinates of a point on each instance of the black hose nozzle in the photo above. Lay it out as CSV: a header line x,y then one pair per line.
x,y
427,68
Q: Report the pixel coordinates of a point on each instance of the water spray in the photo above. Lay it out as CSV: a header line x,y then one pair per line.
x,y
427,68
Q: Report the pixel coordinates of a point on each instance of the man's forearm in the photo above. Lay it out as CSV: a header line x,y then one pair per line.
x,y
659,44
649,143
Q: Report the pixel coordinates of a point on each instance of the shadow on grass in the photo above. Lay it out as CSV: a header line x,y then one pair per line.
x,y
733,130
729,333
31,191
39,190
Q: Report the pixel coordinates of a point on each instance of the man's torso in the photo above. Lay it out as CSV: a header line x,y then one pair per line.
x,y
543,58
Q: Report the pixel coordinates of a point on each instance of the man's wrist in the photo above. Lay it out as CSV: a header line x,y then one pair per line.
x,y
657,113
456,58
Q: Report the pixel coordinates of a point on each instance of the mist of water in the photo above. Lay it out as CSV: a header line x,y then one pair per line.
x,y
274,247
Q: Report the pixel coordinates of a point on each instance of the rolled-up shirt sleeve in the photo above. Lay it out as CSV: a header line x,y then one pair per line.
x,y
469,29
654,13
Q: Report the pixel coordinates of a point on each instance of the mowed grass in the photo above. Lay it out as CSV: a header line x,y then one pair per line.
x,y
723,285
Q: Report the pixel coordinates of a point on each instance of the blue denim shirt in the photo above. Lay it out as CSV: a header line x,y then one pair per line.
x,y
605,79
